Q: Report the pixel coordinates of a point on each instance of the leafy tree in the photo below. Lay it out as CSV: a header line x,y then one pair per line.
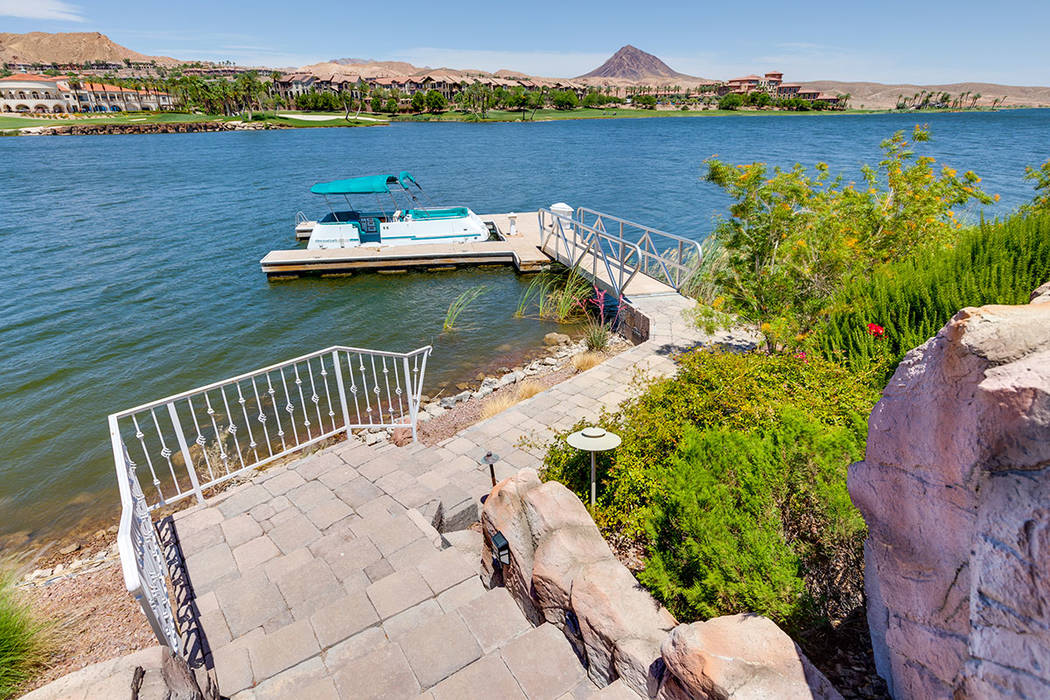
x,y
391,105
564,100
436,102
419,102
645,101
731,101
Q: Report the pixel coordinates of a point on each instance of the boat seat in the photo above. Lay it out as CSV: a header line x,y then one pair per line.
x,y
369,231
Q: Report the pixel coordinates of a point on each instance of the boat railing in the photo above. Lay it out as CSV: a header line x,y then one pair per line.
x,y
300,218
189,443
580,246
666,257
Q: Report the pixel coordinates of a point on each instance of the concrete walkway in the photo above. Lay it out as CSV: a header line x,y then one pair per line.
x,y
327,577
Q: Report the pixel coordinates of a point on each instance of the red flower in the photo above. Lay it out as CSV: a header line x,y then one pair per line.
x,y
876,330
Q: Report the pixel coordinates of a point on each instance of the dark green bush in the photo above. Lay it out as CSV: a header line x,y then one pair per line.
x,y
712,390
739,501
994,263
760,521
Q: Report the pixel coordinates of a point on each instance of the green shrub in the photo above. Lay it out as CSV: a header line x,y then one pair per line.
x,y
759,521
712,390
22,645
994,263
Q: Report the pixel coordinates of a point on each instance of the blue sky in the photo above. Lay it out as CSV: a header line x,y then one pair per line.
x,y
935,41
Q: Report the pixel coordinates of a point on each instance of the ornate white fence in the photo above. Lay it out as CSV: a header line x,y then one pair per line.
x,y
190,442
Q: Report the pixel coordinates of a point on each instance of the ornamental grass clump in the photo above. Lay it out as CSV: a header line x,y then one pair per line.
x,y
23,644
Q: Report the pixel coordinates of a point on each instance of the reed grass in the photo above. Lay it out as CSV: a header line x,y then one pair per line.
x,y
556,296
460,304
586,360
23,639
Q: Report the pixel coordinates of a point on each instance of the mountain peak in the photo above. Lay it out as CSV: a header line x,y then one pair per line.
x,y
631,63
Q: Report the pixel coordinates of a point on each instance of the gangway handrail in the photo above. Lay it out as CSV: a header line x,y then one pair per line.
x,y
580,239
236,426
677,268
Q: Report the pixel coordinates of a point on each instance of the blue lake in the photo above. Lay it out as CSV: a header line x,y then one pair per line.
x,y
131,262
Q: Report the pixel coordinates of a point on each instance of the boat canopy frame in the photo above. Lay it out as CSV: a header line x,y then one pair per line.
x,y
372,184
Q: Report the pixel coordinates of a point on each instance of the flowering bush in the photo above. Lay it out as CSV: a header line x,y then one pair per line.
x,y
793,238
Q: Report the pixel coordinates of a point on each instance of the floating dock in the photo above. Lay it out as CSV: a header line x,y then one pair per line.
x,y
522,250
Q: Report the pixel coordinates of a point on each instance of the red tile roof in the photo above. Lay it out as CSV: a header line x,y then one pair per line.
x,y
33,77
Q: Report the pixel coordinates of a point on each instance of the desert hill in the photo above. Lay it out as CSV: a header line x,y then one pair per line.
x,y
632,63
632,66
865,95
69,47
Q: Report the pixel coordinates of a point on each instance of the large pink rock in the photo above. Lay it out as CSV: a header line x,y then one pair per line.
x,y
953,489
743,657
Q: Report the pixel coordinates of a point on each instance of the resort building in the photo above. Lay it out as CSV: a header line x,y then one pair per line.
x,y
772,83
45,94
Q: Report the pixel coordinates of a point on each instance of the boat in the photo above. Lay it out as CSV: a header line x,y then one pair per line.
x,y
404,222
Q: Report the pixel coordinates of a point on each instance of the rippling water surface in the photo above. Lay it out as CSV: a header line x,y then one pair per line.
x,y
130,263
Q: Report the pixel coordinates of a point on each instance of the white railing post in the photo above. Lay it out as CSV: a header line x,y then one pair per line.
x,y
342,391
191,469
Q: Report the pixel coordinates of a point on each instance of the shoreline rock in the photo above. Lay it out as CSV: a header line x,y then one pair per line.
x,y
147,128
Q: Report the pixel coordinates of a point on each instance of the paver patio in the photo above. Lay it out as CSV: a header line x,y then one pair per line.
x,y
326,578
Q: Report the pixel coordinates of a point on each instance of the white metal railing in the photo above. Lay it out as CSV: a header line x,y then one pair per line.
x,y
671,259
201,438
300,218
583,247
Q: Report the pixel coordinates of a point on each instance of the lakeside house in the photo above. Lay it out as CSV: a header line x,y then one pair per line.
x,y
44,94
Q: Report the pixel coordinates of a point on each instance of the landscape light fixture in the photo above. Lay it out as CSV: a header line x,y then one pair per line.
x,y
594,439
502,547
491,459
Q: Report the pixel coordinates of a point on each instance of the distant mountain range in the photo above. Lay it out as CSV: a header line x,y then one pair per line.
x,y
628,66
69,47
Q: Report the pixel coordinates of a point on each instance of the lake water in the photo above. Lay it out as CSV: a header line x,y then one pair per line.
x,y
131,262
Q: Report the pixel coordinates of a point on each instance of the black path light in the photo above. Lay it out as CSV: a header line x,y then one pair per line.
x,y
593,439
490,459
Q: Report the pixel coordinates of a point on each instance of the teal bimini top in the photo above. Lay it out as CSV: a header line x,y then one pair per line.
x,y
371,184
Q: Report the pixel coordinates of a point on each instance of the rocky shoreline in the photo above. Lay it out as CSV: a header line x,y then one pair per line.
x,y
147,128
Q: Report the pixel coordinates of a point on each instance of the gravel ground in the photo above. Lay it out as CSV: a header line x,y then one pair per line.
x,y
94,619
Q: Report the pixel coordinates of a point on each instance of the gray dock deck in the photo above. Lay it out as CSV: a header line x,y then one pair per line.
x,y
522,251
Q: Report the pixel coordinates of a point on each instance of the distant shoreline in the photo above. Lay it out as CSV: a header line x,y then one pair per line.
x,y
169,122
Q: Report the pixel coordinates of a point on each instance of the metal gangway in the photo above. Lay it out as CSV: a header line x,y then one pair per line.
x,y
187,444
621,255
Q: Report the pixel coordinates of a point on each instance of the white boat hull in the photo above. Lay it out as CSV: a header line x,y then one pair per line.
x,y
463,229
